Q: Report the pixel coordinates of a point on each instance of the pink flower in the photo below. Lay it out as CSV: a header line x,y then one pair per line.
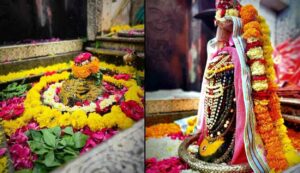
x,y
96,138
170,165
21,156
2,151
82,57
19,150
18,137
11,108
178,135
133,110
122,76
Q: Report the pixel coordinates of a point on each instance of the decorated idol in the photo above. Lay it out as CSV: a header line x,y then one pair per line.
x,y
239,118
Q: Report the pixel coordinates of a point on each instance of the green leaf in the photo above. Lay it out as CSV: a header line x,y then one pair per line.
x,y
49,138
24,171
69,157
68,130
36,135
62,144
39,168
79,139
56,131
35,145
50,160
69,141
38,147
71,151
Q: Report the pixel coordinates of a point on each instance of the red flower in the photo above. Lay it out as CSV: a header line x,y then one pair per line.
x,y
11,108
170,165
96,138
122,76
49,73
82,57
133,110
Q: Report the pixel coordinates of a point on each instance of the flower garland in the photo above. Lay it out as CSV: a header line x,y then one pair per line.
x,y
162,130
295,137
65,66
35,71
48,117
85,65
51,98
280,153
121,69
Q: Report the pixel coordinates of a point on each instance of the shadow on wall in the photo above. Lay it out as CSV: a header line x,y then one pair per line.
x,y
24,20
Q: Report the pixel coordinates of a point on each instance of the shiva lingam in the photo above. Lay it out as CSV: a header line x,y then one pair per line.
x,y
219,110
82,87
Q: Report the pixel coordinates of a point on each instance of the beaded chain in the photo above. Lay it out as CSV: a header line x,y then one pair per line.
x,y
219,106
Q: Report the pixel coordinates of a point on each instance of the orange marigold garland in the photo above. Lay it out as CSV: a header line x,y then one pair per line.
x,y
248,13
251,25
268,116
85,65
161,130
295,137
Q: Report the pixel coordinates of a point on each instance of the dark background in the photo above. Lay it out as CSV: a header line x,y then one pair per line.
x,y
171,32
22,21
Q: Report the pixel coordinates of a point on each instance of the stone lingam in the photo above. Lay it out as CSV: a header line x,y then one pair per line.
x,y
82,86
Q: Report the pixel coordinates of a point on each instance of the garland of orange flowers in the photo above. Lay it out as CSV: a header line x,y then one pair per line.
x,y
85,70
161,130
295,137
279,151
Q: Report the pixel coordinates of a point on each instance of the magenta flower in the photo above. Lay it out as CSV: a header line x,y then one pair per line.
x,y
96,138
20,152
22,156
2,151
133,110
178,135
82,57
11,108
122,76
170,165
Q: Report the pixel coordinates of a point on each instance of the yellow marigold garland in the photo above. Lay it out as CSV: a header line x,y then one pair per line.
x,y
120,69
47,117
274,106
280,152
3,164
35,71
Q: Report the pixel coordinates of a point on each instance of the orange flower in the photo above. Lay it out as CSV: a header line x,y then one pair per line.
x,y
258,109
251,32
81,71
85,70
161,130
295,138
250,25
94,66
248,13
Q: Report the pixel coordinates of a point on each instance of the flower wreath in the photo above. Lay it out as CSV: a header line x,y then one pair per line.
x,y
51,117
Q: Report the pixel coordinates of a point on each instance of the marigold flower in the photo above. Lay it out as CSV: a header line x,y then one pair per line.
x,y
248,13
252,32
250,25
161,130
